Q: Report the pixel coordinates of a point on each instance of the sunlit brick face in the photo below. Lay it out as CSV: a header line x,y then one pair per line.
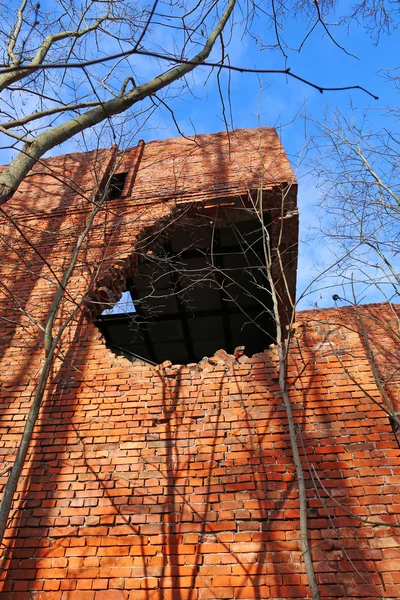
x,y
177,482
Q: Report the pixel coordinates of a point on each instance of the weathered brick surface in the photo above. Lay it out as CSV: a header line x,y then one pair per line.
x,y
175,483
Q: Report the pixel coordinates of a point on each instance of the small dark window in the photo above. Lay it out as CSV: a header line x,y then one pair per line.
x,y
117,184
395,428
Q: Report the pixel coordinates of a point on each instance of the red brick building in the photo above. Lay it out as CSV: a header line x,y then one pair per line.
x,y
151,480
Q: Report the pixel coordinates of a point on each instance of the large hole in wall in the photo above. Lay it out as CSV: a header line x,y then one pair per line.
x,y
202,289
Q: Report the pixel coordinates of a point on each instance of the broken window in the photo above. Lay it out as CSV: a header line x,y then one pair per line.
x,y
202,289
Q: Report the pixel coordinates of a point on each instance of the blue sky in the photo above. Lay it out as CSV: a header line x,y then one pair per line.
x,y
274,100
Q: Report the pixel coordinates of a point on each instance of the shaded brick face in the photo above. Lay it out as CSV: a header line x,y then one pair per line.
x,y
178,482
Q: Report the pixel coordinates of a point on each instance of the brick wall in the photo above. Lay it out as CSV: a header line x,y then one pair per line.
x,y
177,482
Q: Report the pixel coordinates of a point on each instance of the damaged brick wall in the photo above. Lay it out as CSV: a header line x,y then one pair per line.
x,y
177,482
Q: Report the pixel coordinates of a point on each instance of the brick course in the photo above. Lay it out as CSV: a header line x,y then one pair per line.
x,y
176,482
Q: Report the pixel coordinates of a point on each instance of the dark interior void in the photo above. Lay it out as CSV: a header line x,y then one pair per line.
x,y
202,290
116,186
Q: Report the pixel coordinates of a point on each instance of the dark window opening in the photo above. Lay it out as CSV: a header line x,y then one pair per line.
x,y
395,428
116,185
204,289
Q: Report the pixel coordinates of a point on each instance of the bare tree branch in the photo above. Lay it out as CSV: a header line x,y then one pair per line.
x,y
193,62
45,113
15,33
14,74
30,154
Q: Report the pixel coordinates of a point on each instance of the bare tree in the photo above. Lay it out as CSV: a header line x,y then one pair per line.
x,y
68,69
356,166
357,172
283,340
265,260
